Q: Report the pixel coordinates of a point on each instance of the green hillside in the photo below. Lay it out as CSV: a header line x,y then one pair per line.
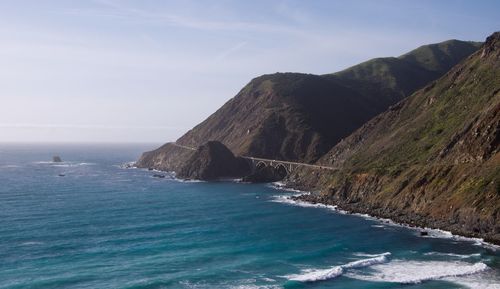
x,y
295,116
432,159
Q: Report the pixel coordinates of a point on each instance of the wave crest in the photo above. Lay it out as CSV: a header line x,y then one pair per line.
x,y
408,272
330,273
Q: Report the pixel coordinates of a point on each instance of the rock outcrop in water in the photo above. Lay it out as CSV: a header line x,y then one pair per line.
x,y
431,160
212,161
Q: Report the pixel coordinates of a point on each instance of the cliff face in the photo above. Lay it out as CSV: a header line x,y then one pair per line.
x,y
299,117
432,159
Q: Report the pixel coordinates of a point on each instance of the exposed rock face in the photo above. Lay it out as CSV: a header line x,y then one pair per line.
x,y
299,117
212,161
431,160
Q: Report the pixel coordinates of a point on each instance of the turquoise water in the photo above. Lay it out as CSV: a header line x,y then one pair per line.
x,y
103,226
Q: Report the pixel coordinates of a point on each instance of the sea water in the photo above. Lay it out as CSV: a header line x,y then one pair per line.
x,y
89,222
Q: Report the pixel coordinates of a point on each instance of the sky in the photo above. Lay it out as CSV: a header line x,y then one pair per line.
x,y
147,71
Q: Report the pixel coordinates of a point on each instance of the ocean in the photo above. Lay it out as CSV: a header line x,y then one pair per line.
x,y
89,222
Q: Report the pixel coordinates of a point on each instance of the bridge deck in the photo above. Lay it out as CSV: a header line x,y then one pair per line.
x,y
269,160
291,163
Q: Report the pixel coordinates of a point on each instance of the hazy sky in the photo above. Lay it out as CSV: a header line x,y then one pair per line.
x,y
146,71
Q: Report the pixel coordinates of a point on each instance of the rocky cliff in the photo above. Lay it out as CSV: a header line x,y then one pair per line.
x,y
431,160
212,161
294,116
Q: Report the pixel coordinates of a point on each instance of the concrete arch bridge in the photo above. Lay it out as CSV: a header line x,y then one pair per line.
x,y
284,167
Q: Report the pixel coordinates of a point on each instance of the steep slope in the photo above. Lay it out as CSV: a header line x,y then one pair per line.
x,y
390,79
295,116
432,159
285,116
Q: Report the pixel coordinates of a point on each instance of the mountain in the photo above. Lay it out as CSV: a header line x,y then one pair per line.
x,y
294,116
390,79
430,160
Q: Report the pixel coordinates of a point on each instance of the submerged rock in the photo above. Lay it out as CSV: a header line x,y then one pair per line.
x,y
212,161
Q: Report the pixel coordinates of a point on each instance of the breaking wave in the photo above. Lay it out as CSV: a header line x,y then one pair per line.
x,y
461,256
330,273
411,272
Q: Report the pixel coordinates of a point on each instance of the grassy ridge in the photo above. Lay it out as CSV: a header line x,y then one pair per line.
x,y
433,158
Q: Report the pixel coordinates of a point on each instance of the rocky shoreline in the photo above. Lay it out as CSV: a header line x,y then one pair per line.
x,y
430,160
408,220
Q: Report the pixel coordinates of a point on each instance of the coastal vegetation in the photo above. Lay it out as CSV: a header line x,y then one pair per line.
x,y
415,138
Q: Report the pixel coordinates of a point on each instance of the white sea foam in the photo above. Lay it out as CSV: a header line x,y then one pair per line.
x,y
10,166
268,279
127,165
283,187
64,164
188,181
360,254
231,180
31,243
483,280
432,233
437,233
407,272
465,256
312,275
287,199
317,275
247,284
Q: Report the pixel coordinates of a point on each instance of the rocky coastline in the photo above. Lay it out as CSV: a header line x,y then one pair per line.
x,y
421,222
429,160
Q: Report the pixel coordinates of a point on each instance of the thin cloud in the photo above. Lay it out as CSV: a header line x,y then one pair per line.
x,y
230,51
121,11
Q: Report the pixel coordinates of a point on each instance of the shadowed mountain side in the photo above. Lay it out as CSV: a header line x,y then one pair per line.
x,y
299,117
432,159
287,116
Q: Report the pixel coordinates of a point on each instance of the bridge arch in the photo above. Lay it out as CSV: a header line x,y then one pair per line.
x,y
281,170
261,165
